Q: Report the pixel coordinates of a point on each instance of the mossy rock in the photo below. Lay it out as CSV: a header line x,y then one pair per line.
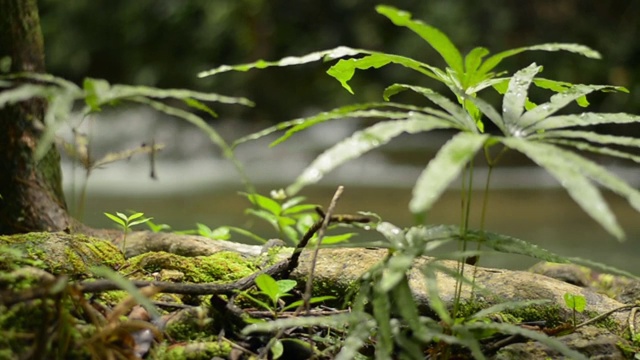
x,y
61,253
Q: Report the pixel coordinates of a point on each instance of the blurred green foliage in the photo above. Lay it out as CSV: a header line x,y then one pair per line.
x,y
165,43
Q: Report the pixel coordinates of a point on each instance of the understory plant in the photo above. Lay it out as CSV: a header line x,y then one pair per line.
x,y
555,140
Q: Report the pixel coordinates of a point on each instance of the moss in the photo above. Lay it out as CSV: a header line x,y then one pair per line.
x,y
224,266
552,314
61,253
198,351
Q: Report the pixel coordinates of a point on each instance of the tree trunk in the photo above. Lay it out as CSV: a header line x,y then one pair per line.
x,y
32,198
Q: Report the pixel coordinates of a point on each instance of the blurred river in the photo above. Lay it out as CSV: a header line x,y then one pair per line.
x,y
195,185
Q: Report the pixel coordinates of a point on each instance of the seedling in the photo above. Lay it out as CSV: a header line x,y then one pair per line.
x,y
127,222
577,303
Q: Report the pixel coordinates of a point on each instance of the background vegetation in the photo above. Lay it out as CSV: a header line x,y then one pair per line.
x,y
165,43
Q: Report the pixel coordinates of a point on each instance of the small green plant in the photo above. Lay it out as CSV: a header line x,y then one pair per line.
x,y
290,217
576,303
127,222
275,291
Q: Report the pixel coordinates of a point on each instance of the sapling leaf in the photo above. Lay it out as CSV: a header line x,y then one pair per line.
x,y
558,101
440,171
496,59
264,202
437,39
594,149
458,114
603,176
268,286
516,95
382,313
394,271
575,302
484,107
116,219
331,54
572,178
584,119
313,300
285,285
344,70
361,142
277,349
393,234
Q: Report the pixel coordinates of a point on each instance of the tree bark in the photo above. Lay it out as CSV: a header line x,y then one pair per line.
x,y
32,197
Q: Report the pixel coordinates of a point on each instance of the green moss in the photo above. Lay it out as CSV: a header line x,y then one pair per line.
x,y
197,351
224,266
61,253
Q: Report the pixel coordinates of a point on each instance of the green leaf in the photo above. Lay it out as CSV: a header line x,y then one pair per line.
x,y
299,209
361,142
382,313
189,96
116,219
473,60
248,234
25,92
349,111
277,349
335,239
438,40
584,119
557,102
559,86
393,234
220,233
286,285
516,95
394,272
313,300
496,59
331,54
592,137
486,108
570,176
603,176
344,70
198,105
264,202
594,149
269,287
446,165
459,115
575,302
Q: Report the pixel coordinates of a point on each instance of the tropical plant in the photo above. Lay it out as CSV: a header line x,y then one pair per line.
x,y
520,124
535,130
